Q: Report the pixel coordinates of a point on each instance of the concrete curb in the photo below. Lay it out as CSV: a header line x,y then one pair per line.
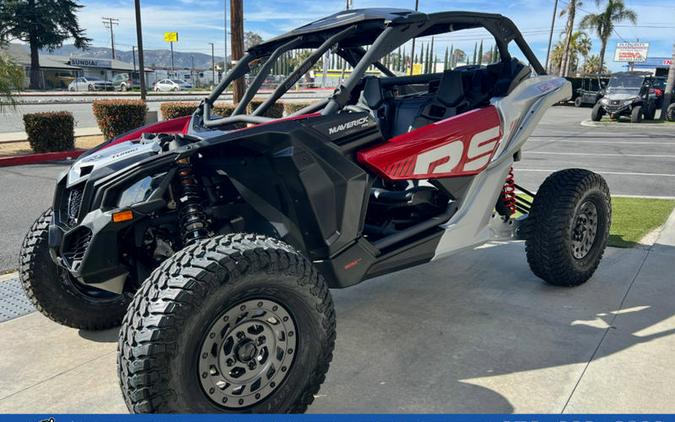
x,y
18,160
662,125
15,137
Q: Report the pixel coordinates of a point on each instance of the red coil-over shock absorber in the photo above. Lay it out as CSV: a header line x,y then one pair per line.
x,y
508,196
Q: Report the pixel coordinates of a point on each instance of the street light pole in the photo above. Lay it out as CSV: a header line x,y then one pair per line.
x,y
139,37
213,63
550,35
133,56
225,66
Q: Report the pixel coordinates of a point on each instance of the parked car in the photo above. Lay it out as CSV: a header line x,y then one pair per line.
x,y
125,81
166,85
90,83
628,94
591,90
239,225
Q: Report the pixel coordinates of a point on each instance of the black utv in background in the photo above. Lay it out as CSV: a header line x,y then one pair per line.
x,y
590,89
628,94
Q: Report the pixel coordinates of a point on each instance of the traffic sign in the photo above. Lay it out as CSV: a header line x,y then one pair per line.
x,y
171,36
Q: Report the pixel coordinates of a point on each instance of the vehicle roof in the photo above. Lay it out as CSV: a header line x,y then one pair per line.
x,y
372,21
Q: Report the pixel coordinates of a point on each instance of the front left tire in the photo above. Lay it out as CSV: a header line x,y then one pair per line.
x,y
55,293
235,323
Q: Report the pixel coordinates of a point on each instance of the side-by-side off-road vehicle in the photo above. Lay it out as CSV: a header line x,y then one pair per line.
x,y
214,240
628,94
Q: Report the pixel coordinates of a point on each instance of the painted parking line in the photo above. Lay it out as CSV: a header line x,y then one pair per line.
x,y
600,154
614,173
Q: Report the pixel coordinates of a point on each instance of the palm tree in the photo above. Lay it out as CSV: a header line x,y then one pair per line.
x,y
570,11
579,44
592,65
603,22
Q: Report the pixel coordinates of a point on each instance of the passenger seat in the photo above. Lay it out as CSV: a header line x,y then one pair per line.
x,y
448,101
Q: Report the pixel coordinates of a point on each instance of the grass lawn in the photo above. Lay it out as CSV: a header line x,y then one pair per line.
x,y
634,218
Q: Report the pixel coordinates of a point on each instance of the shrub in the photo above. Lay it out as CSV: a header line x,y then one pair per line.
x,y
177,109
275,111
51,131
116,117
290,108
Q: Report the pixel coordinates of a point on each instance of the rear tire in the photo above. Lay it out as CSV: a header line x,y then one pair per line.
x,y
597,113
55,294
636,114
670,113
568,227
651,111
188,316
577,102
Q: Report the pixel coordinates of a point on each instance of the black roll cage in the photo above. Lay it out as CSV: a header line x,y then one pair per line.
x,y
383,29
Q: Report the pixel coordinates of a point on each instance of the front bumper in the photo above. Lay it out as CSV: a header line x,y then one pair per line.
x,y
83,239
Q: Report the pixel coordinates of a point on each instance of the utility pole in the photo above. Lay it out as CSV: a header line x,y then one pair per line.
x,y
237,31
670,83
225,61
550,35
139,37
133,56
349,5
109,23
213,63
412,52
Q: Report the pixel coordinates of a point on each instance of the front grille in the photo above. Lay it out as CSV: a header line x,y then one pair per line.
x,y
75,245
69,206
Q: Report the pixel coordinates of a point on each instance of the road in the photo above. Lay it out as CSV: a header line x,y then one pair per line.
x,y
12,120
634,161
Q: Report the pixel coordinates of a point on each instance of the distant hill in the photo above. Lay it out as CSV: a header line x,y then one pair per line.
x,y
158,58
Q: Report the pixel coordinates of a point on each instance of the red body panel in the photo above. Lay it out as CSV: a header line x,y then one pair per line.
x,y
458,146
178,125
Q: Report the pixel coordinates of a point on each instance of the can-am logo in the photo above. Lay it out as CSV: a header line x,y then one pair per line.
x,y
363,121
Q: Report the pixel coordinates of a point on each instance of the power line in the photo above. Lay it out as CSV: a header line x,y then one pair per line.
x,y
109,23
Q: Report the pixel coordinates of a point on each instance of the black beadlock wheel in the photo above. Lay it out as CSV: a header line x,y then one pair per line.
x,y
54,292
236,323
568,227
670,113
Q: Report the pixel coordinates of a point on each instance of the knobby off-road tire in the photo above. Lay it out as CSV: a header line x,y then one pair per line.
x,y
177,319
636,114
568,227
577,102
670,113
597,112
55,294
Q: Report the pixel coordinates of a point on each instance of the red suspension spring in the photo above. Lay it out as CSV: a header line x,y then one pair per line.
x,y
509,193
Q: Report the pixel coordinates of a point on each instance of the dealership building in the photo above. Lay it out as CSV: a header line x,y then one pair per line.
x,y
58,71
658,66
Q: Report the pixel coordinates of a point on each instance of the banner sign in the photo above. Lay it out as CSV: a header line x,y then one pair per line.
x,y
82,62
631,52
171,36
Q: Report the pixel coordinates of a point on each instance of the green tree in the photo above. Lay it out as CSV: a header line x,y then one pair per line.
x,y
475,47
603,22
579,44
452,57
445,59
41,24
11,79
480,53
251,39
592,65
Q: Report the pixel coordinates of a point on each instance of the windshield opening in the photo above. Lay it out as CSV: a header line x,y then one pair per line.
x,y
625,84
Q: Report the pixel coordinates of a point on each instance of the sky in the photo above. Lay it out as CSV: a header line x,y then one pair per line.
x,y
200,22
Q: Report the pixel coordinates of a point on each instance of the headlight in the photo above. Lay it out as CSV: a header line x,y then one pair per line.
x,y
604,101
140,191
628,102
